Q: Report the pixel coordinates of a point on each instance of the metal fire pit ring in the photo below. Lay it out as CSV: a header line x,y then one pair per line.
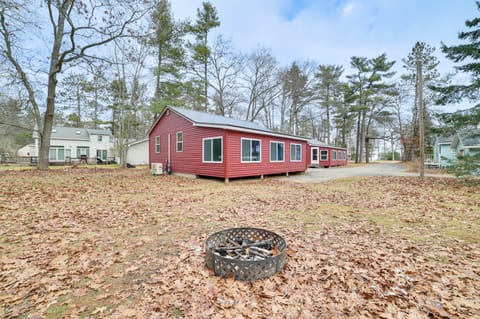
x,y
245,270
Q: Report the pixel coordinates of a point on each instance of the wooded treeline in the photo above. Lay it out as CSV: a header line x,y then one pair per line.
x,y
118,64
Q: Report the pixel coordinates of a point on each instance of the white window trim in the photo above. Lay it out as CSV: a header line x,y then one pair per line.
x,y
176,141
157,138
334,155
270,151
56,149
241,150
321,159
203,149
294,160
80,150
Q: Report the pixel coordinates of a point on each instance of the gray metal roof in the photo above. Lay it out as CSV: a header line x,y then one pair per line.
x,y
95,131
213,119
75,133
322,144
470,138
317,143
443,139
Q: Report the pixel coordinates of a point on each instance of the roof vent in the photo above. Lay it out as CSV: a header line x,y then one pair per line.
x,y
77,132
54,131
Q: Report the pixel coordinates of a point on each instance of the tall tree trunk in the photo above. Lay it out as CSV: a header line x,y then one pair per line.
x,y
363,136
205,89
357,146
78,120
43,159
421,129
327,109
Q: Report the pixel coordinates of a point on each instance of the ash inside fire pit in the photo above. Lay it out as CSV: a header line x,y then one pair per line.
x,y
245,253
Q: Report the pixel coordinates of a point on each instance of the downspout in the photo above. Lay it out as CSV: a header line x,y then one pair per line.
x,y
225,156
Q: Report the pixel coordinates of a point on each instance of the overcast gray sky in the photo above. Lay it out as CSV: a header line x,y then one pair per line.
x,y
332,31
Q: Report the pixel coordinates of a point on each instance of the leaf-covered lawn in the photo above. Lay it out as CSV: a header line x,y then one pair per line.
x,y
121,243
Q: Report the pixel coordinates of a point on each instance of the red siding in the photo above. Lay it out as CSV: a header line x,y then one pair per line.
x,y
330,161
235,167
190,160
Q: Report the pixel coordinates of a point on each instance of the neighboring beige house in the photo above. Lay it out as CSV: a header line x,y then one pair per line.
x,y
71,143
138,152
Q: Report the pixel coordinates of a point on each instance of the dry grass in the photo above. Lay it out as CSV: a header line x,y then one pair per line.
x,y
92,243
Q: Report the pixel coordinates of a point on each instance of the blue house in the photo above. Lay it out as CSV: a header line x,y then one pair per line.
x,y
443,153
467,142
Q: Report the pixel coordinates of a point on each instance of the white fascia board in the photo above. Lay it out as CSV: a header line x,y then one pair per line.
x,y
138,142
71,139
246,130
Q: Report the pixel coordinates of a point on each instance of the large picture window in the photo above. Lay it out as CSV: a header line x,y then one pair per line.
x,y
251,150
212,150
295,152
157,144
324,155
57,153
277,151
179,141
83,150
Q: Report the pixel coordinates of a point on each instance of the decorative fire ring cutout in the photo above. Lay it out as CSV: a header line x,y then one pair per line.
x,y
245,254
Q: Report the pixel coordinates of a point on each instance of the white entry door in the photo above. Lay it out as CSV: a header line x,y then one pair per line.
x,y
314,159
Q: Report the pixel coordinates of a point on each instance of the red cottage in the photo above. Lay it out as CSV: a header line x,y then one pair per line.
x,y
325,155
203,144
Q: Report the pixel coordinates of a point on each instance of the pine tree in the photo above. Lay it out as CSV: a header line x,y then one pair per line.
x,y
468,54
167,42
207,19
421,66
328,88
370,91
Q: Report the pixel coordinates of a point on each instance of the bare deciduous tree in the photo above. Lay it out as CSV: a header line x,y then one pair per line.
x,y
224,73
76,29
260,82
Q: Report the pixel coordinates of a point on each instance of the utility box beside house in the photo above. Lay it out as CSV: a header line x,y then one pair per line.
x,y
157,169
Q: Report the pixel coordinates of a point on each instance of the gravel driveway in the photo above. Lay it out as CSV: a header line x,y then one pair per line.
x,y
316,175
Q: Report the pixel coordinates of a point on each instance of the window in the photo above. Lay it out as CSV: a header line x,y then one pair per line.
x,y
334,155
324,155
83,150
99,138
212,150
157,144
57,153
250,150
277,151
179,141
102,154
295,152
68,152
